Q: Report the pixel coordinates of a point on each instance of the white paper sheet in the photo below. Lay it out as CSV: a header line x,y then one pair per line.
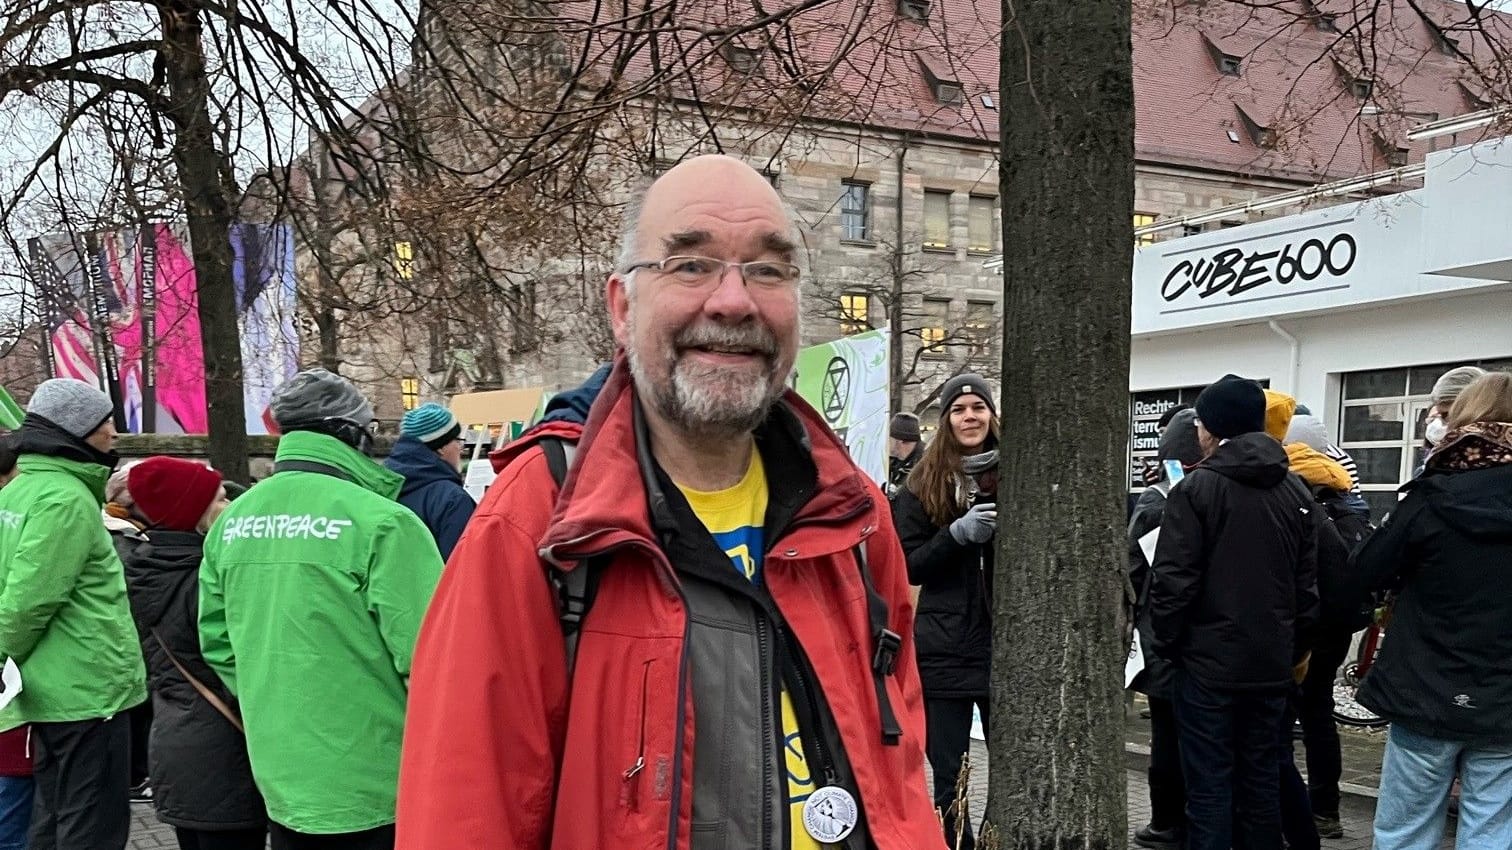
x,y
1136,661
10,682
1147,545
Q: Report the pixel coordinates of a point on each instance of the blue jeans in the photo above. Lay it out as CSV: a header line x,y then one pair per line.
x,y
1231,760
15,811
1416,776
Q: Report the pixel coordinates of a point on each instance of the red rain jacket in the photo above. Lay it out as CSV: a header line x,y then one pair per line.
x,y
497,756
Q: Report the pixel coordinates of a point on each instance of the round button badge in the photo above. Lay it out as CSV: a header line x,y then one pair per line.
x,y
830,814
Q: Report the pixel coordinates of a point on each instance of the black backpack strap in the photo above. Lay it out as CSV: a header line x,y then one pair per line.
x,y
312,466
886,644
574,588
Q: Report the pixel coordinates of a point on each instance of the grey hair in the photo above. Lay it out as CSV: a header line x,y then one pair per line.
x,y
1453,382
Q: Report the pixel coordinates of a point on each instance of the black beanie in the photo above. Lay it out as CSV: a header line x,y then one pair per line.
x,y
966,384
1231,407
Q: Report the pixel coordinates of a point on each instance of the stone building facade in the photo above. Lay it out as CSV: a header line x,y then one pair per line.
x,y
900,210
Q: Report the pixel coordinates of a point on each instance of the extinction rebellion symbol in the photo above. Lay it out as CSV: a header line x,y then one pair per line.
x,y
834,394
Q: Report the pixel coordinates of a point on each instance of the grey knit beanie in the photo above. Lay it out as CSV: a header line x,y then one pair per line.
x,y
316,395
72,405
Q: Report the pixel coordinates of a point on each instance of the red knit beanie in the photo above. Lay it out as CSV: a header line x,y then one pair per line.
x,y
173,493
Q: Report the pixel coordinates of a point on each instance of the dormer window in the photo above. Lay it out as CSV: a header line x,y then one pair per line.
x,y
742,59
1260,133
1228,62
1362,87
1324,21
915,9
942,81
1395,155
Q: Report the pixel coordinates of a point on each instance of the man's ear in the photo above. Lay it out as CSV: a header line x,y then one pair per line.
x,y
617,297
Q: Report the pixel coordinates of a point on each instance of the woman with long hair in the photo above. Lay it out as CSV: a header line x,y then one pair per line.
x,y
1443,679
946,518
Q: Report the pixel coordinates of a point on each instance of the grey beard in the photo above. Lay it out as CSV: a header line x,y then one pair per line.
x,y
685,404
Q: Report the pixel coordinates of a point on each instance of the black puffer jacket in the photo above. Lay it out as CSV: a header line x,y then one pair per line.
x,y
1444,671
1234,592
953,627
201,778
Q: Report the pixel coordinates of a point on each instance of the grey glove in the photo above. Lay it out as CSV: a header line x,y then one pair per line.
x,y
976,526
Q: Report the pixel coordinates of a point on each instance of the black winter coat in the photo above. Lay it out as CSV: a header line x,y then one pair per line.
x,y
953,626
201,777
1444,671
1235,591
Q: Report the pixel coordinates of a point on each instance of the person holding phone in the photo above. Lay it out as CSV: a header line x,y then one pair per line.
x,y
946,518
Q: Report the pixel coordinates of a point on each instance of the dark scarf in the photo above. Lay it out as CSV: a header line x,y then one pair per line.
x,y
41,436
1478,445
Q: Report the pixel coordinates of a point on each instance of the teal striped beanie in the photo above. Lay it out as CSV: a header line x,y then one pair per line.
x,y
431,424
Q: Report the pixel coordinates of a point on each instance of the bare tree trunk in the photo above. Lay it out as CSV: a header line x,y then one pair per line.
x,y
203,173
1056,765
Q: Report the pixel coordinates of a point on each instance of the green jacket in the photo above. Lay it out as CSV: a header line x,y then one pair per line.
x,y
64,617
311,594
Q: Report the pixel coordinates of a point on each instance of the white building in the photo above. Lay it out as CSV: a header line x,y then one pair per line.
x,y
1354,309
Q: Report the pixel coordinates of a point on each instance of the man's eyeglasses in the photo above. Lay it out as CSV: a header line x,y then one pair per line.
x,y
695,272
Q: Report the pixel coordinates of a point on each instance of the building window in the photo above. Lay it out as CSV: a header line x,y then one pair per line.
x,y
409,393
936,219
404,260
980,234
1381,421
855,199
855,313
932,334
1191,229
1143,220
980,318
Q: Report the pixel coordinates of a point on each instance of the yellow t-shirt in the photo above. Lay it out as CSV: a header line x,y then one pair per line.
x,y
736,517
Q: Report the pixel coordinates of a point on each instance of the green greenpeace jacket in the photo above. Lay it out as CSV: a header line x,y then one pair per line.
x,y
311,593
64,617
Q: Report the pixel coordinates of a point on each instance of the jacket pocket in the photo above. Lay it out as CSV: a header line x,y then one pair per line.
x,y
632,776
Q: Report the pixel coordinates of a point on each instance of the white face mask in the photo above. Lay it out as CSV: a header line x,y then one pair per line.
x,y
1435,431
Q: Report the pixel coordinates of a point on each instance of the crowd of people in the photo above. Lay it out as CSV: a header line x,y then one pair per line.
x,y
682,616
1265,564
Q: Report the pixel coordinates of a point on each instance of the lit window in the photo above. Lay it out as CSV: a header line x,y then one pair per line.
x,y
409,393
404,260
853,211
1143,220
980,319
855,314
936,219
980,233
932,334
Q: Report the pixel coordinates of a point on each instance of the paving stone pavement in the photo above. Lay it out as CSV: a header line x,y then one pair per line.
x,y
147,833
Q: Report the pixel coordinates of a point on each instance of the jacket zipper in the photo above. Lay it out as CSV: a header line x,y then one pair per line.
x,y
770,730
630,792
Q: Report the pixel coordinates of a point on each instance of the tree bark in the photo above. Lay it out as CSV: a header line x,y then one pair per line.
x,y
202,173
1056,773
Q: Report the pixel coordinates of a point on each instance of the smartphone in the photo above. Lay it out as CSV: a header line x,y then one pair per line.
x,y
1173,470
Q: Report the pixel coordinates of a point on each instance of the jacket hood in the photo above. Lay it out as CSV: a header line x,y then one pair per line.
x,y
92,475
1316,468
1179,442
574,404
595,512
1477,502
1309,431
319,448
1279,408
156,568
1253,459
419,465
40,436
